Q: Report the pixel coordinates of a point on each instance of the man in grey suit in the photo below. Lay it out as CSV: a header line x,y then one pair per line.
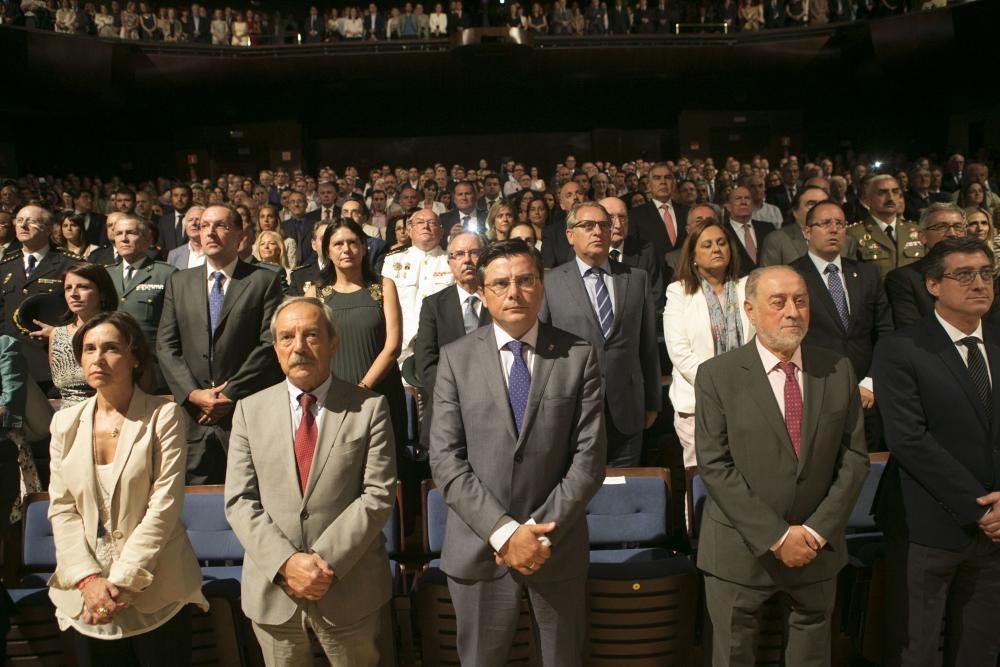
x,y
609,305
781,448
189,254
214,342
310,484
789,243
517,449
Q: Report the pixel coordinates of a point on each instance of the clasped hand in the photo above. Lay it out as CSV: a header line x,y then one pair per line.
x,y
100,595
990,523
306,576
214,405
799,548
523,551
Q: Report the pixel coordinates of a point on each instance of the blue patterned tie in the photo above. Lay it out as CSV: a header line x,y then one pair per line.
x,y
837,292
518,383
215,298
31,266
605,314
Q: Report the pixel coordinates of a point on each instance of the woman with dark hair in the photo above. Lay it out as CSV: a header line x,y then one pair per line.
x,y
523,231
88,291
125,571
538,215
704,317
369,319
972,195
73,234
522,200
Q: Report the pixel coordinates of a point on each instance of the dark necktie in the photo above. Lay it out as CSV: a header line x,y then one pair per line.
x,y
518,383
129,275
837,293
305,439
979,373
469,317
616,255
215,298
890,234
31,266
179,227
605,313
465,221
793,405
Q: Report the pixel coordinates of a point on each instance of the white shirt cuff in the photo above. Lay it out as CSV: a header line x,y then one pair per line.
x,y
867,384
819,538
504,533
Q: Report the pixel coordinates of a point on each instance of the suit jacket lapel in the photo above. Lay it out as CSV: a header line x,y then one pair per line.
x,y
812,393
142,274
951,357
759,388
813,278
539,377
494,378
621,277
993,359
237,286
454,315
278,431
335,408
117,278
855,297
131,429
578,290
44,267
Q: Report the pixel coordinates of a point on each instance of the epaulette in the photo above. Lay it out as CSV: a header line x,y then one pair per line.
x,y
10,256
402,248
854,224
302,267
71,255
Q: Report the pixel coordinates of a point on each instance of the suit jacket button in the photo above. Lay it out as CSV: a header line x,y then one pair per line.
x,y
518,458
118,535
304,515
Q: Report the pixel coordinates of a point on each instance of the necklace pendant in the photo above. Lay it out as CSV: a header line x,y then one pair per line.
x,y
114,432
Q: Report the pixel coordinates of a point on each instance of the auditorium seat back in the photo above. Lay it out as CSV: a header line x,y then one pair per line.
x,y
204,518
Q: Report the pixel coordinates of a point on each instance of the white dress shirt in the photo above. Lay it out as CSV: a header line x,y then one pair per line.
x,y
956,335
195,257
738,228
776,378
530,338
590,282
463,296
39,255
227,270
319,392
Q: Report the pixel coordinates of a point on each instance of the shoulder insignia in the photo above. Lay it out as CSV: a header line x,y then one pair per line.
x,y
302,267
397,250
67,253
11,256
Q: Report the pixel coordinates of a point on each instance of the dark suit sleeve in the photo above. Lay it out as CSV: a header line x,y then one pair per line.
x,y
549,258
901,298
883,313
169,351
426,349
462,489
648,352
654,269
830,517
898,388
759,525
567,502
261,364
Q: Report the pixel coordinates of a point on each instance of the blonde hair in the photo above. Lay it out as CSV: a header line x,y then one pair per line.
x,y
282,259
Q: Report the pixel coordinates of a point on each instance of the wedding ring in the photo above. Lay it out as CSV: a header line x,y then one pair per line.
x,y
103,612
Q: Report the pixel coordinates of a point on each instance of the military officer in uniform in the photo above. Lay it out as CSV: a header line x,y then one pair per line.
x,y
307,274
139,280
37,267
884,238
418,271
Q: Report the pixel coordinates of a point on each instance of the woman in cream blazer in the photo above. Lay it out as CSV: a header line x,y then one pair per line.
x,y
125,571
706,259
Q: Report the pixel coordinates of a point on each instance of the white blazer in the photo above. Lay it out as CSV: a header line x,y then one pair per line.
x,y
687,332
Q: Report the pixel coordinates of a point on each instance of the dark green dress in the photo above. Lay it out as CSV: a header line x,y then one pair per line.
x,y
361,327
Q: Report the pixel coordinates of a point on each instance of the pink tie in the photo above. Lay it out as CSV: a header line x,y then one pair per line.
x,y
305,439
793,405
748,242
668,222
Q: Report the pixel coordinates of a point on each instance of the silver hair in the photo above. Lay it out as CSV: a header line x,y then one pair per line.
x,y
145,226
466,232
758,274
874,180
331,322
939,207
571,216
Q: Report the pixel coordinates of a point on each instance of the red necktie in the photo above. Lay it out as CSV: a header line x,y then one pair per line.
x,y
305,439
326,214
793,405
668,222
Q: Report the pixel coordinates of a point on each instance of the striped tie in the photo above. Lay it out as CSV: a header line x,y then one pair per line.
x,y
980,375
837,294
605,313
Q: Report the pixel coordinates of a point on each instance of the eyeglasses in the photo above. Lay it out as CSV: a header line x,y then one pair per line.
x,y
216,227
526,282
966,277
826,224
31,222
942,228
430,224
462,254
588,225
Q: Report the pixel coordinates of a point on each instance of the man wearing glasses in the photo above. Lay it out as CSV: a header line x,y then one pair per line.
x,y
418,271
37,267
453,312
849,311
517,448
214,340
938,501
610,305
905,286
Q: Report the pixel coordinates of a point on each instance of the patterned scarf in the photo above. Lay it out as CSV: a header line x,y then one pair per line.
x,y
726,330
